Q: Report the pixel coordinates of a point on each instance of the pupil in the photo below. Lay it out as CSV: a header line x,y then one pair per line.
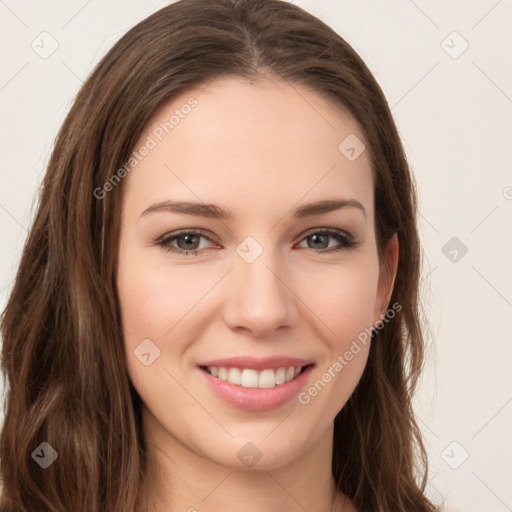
x,y
316,237
188,240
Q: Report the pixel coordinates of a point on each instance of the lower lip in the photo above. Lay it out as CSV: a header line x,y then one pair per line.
x,y
257,399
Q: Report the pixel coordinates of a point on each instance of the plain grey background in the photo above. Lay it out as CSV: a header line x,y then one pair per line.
x,y
443,67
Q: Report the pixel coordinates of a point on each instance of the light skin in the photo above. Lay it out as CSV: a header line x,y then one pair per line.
x,y
259,150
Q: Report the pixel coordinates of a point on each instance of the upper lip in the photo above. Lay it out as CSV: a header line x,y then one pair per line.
x,y
257,363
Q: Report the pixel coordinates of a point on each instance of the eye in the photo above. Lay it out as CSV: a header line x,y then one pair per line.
x,y
320,240
187,242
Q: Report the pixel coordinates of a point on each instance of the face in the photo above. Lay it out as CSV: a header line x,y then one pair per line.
x,y
245,310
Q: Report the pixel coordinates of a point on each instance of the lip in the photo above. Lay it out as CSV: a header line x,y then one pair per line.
x,y
259,364
256,399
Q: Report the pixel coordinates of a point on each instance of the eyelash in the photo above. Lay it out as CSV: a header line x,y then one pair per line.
x,y
346,242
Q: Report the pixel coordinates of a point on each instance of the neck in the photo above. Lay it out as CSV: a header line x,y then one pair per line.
x,y
178,478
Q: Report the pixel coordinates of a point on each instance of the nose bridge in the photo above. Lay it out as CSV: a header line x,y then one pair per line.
x,y
258,298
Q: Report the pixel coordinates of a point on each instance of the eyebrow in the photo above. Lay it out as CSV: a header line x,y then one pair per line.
x,y
212,211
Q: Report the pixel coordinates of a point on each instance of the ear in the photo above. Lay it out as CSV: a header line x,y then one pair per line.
x,y
387,274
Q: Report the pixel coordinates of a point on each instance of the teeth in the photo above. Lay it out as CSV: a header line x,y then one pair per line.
x,y
280,376
249,378
234,376
267,379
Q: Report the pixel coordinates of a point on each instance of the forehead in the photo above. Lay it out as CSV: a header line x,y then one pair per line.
x,y
250,145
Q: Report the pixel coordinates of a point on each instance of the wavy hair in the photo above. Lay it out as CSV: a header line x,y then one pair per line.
x,y
63,359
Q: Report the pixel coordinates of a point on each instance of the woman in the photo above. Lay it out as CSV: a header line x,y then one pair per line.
x,y
264,372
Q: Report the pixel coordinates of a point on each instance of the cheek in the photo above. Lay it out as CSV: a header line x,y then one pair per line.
x,y
154,298
154,303
344,299
345,306
160,303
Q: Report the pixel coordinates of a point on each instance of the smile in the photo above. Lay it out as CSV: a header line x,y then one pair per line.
x,y
250,378
256,384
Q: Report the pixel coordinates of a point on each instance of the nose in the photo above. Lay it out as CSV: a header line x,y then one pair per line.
x,y
260,300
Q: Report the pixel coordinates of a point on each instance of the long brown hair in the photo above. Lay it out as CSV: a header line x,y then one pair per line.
x,y
63,357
